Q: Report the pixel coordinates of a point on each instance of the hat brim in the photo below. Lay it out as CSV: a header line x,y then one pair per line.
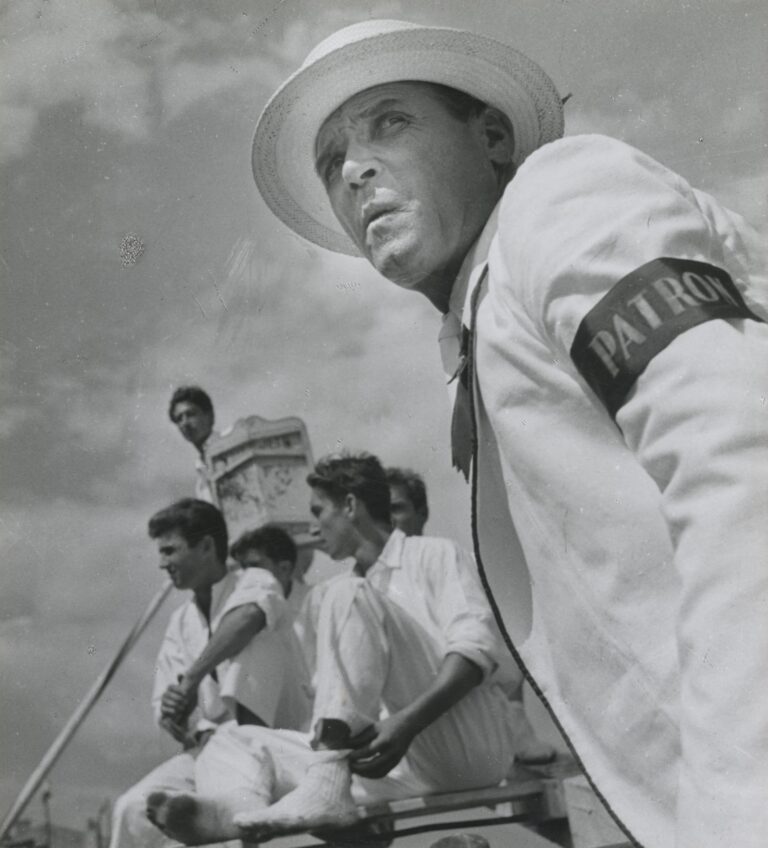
x,y
283,154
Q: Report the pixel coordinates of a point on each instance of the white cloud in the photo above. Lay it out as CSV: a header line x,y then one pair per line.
x,y
69,51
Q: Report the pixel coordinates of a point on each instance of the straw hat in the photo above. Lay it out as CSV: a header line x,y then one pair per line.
x,y
372,53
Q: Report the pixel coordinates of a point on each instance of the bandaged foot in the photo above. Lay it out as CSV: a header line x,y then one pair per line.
x,y
323,800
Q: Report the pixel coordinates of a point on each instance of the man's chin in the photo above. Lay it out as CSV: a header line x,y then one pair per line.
x,y
397,260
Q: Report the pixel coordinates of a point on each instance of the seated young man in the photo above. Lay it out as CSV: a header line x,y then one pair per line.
x,y
272,548
414,690
228,657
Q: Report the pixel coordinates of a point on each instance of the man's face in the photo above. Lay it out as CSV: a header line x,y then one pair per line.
x,y
334,526
412,185
405,516
187,565
254,558
194,424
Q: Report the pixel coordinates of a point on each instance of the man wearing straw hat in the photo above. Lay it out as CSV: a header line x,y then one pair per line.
x,y
604,329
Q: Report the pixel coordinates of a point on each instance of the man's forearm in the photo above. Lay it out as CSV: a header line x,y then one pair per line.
x,y
456,677
236,630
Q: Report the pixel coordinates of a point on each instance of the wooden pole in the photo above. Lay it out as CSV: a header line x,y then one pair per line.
x,y
78,716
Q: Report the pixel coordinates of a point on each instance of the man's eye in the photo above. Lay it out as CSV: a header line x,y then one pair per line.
x,y
392,119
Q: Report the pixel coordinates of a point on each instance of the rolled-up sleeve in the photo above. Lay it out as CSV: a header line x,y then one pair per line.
x,y
256,586
460,607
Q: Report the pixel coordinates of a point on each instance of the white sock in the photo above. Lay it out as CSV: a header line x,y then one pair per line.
x,y
323,799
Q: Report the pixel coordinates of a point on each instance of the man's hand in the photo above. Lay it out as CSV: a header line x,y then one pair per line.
x,y
178,701
381,746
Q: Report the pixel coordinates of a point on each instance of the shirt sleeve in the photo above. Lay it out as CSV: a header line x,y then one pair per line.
x,y
646,302
257,586
459,605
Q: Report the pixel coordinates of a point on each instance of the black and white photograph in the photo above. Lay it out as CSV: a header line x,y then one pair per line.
x,y
384,423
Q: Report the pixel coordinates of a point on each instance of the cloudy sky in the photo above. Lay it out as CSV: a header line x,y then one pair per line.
x,y
133,119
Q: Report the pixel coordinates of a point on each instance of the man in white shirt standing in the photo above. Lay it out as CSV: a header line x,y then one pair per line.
x,y
604,326
411,631
191,410
228,657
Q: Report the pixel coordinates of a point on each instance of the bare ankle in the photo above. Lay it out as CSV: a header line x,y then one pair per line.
x,y
331,734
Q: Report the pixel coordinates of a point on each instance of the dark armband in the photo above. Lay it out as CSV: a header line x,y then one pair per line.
x,y
642,314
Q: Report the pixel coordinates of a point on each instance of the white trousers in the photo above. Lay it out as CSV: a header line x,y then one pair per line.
x,y
372,654
218,770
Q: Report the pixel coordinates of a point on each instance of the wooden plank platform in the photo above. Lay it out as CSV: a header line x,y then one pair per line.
x,y
531,796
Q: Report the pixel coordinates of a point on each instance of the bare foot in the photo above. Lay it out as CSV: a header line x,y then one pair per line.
x,y
322,800
191,819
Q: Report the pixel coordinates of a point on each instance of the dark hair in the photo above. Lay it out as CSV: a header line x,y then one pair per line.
x,y
414,486
270,540
191,394
361,475
461,105
194,520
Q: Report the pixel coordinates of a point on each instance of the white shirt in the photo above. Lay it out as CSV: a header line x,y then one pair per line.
x,y
629,557
264,676
435,581
204,490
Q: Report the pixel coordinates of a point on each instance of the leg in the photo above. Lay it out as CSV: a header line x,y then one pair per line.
x,y
130,826
372,652
359,632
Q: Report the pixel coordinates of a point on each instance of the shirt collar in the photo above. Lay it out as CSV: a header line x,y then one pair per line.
x,y
219,593
391,554
478,255
203,452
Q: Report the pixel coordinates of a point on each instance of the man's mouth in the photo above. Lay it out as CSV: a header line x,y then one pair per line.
x,y
374,212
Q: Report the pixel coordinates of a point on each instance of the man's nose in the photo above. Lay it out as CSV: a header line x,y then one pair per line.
x,y
359,166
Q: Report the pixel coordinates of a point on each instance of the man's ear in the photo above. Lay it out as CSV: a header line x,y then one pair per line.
x,y
351,505
499,137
